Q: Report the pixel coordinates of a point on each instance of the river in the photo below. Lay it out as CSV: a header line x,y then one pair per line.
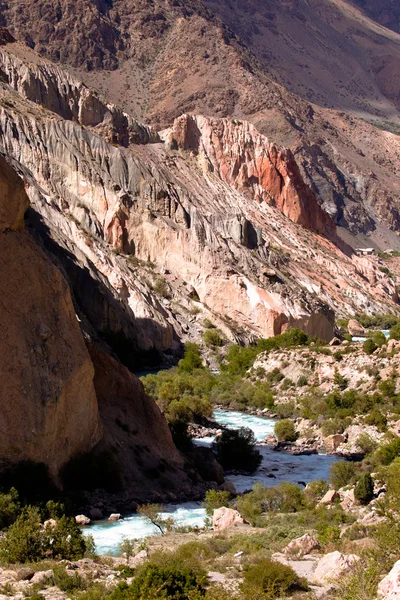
x,y
275,467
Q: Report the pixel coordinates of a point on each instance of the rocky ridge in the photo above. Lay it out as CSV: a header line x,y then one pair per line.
x,y
162,236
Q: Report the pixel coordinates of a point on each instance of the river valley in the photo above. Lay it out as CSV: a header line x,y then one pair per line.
x,y
275,467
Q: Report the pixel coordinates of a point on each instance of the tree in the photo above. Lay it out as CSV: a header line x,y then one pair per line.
x,y
23,540
341,474
236,449
378,338
65,541
364,490
215,499
9,508
285,431
152,512
191,359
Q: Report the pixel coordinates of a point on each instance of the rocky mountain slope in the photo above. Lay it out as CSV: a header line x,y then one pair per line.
x,y
207,219
56,395
262,62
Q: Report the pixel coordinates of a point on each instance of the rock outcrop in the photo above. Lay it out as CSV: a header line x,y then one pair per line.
x,y
247,161
226,518
301,546
48,403
333,565
136,430
389,587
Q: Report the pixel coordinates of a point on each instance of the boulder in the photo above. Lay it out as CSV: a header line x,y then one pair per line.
x,y
228,486
114,517
225,518
82,520
348,500
335,342
389,587
354,328
50,524
95,514
42,577
301,546
334,565
330,497
332,442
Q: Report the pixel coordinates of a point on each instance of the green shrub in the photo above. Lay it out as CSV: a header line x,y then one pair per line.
x,y
302,381
191,359
27,541
386,453
68,583
366,443
152,512
236,449
213,337
388,387
378,338
284,497
285,431
377,418
364,490
341,474
207,324
215,499
161,288
369,346
177,582
9,508
316,489
273,579
395,332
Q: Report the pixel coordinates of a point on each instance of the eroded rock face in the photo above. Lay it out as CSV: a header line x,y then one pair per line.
x,y
48,402
247,161
136,430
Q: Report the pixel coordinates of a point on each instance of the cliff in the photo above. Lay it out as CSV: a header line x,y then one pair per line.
x,y
48,402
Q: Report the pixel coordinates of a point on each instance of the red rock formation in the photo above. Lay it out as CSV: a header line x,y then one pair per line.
x,y
48,405
247,161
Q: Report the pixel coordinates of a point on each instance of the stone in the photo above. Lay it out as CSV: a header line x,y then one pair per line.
x,y
228,486
42,577
389,587
348,500
95,514
332,442
329,497
82,520
355,329
114,517
225,518
301,546
50,524
334,565
335,342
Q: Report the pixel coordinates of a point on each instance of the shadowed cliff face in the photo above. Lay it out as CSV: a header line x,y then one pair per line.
x,y
48,402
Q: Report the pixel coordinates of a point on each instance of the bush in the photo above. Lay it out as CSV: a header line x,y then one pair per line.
x,y
27,541
366,443
177,582
315,490
386,453
272,578
341,474
378,338
68,583
369,346
377,418
364,490
161,288
213,337
191,359
9,508
215,499
236,449
285,431
395,332
285,498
